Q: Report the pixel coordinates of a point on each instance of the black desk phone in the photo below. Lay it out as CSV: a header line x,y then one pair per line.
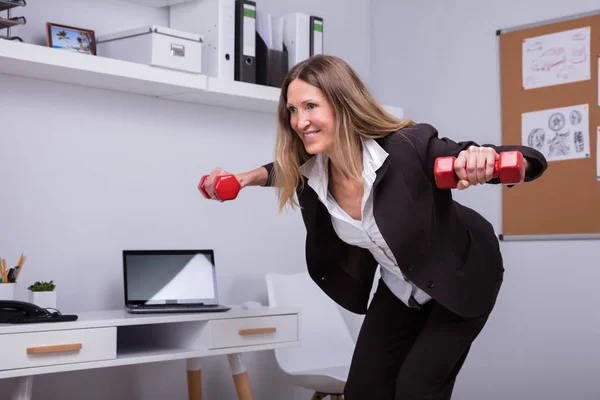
x,y
21,312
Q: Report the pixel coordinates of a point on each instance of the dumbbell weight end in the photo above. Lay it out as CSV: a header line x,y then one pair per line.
x,y
226,187
509,167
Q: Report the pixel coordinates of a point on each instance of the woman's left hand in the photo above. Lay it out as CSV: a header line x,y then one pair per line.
x,y
474,166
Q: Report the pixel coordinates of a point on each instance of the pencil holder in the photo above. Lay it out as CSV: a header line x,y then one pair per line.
x,y
7,291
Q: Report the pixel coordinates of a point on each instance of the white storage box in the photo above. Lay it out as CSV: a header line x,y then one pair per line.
x,y
154,45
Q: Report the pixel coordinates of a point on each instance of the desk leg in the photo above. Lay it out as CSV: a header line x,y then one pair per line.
x,y
194,379
24,388
240,376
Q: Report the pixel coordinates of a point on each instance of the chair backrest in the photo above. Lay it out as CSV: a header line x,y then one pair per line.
x,y
325,338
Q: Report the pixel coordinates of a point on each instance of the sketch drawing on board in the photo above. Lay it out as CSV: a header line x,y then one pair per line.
x,y
549,59
558,146
556,58
556,121
559,134
578,140
575,117
536,139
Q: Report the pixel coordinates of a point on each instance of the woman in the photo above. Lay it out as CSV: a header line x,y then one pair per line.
x,y
365,185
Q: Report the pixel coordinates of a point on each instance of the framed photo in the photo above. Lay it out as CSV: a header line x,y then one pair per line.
x,y
71,38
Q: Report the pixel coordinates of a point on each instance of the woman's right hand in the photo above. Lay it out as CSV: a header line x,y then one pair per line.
x,y
209,183
255,177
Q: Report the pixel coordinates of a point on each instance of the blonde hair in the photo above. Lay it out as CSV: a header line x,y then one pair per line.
x,y
357,114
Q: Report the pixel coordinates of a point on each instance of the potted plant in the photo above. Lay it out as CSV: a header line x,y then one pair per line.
x,y
42,294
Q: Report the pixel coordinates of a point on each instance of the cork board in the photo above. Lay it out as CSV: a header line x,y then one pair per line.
x,y
545,89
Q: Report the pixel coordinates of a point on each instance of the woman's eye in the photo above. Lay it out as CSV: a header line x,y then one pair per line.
x,y
292,110
310,106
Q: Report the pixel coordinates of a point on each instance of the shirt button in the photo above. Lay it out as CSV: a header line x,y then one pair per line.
x,y
410,267
430,284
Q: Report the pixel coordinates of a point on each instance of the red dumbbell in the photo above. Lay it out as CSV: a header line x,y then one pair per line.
x,y
509,167
226,187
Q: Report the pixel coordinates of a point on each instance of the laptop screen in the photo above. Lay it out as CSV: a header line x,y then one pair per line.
x,y
169,277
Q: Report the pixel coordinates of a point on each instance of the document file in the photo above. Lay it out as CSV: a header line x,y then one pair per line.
x,y
296,37
215,21
316,35
245,41
302,36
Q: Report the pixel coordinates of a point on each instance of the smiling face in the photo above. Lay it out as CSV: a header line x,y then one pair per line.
x,y
311,116
324,107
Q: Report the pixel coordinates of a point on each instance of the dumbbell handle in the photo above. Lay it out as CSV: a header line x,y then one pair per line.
x,y
509,167
226,187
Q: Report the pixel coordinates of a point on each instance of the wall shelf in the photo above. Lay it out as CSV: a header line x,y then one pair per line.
x,y
233,94
56,65
45,63
157,3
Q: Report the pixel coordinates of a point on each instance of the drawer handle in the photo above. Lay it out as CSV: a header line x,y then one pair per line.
x,y
257,331
54,349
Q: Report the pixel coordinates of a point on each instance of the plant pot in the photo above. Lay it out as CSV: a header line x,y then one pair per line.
x,y
43,299
7,291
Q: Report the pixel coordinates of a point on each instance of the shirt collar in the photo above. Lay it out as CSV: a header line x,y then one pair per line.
x,y
316,168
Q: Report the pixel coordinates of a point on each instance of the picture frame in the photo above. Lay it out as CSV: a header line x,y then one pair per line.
x,y
71,38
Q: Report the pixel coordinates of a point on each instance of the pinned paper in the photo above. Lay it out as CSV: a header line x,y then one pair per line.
x,y
558,133
556,58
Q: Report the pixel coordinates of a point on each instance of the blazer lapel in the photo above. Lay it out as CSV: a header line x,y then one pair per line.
x,y
381,171
396,214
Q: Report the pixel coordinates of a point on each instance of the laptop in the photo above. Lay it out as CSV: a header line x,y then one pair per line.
x,y
169,281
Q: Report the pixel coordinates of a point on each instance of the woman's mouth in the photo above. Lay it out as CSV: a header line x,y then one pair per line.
x,y
312,134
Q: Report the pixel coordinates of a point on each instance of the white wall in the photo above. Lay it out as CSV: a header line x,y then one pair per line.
x,y
87,173
439,60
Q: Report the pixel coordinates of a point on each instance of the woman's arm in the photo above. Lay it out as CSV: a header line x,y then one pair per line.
x,y
430,146
256,177
267,174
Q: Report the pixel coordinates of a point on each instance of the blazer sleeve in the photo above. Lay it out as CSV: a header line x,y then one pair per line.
x,y
270,174
430,146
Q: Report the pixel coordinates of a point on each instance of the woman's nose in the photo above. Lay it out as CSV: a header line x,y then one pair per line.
x,y
303,123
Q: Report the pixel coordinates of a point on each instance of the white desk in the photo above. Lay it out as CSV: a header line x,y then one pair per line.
x,y
114,338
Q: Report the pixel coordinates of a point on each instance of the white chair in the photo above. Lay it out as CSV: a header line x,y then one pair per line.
x,y
322,360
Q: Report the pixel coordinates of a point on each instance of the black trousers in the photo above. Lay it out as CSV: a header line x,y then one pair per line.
x,y
406,353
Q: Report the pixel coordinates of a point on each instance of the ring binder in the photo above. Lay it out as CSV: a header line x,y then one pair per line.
x,y
214,20
245,41
316,35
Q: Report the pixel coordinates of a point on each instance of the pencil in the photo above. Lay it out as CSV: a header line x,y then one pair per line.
x,y
21,263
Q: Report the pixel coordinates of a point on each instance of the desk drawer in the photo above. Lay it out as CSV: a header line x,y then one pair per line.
x,y
253,331
36,349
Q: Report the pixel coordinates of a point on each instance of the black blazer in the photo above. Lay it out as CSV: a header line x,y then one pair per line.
x,y
445,248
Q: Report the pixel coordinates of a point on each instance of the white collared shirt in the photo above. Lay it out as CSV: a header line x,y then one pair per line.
x,y
363,233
